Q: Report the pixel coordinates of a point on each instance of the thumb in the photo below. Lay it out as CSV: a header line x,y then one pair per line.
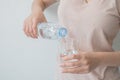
x,y
34,27
43,19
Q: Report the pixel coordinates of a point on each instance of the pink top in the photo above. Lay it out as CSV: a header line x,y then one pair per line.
x,y
94,25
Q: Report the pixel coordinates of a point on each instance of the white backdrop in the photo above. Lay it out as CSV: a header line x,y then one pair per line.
x,y
23,58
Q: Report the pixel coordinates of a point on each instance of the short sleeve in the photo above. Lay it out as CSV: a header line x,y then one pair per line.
x,y
57,0
118,5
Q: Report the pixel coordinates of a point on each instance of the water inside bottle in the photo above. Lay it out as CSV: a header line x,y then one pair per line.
x,y
48,32
52,31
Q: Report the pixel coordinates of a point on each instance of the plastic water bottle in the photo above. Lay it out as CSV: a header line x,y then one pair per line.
x,y
54,31
51,31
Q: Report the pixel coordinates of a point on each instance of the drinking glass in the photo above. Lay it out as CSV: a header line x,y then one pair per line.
x,y
68,46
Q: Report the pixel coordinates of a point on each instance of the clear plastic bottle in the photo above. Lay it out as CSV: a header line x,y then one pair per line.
x,y
54,31
51,31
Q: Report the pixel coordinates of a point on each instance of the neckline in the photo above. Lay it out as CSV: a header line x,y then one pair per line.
x,y
87,3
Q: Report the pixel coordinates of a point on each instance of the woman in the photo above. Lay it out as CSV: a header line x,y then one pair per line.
x,y
94,23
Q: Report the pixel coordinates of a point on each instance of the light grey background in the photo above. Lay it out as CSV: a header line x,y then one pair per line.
x,y
23,58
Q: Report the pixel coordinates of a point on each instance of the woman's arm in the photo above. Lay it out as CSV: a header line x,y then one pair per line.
x,y
36,16
109,58
41,5
88,61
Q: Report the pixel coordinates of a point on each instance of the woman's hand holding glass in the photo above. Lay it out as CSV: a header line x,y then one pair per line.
x,y
75,61
85,63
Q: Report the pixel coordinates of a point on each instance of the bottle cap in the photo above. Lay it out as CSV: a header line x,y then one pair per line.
x,y
62,32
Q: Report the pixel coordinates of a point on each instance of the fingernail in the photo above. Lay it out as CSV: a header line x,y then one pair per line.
x,y
62,70
61,65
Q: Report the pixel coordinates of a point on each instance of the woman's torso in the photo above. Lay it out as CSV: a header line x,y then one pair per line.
x,y
95,26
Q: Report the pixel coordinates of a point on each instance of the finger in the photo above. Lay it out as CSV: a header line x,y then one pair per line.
x,y
34,27
24,28
62,55
75,63
70,57
27,30
44,19
76,70
31,30
71,64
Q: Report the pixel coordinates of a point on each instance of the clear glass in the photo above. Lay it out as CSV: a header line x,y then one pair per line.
x,y
68,46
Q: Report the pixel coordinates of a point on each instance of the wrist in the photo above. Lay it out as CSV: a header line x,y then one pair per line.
x,y
99,58
36,14
94,59
38,5
37,10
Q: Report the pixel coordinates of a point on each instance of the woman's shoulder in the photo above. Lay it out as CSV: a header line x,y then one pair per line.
x,y
57,0
117,4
